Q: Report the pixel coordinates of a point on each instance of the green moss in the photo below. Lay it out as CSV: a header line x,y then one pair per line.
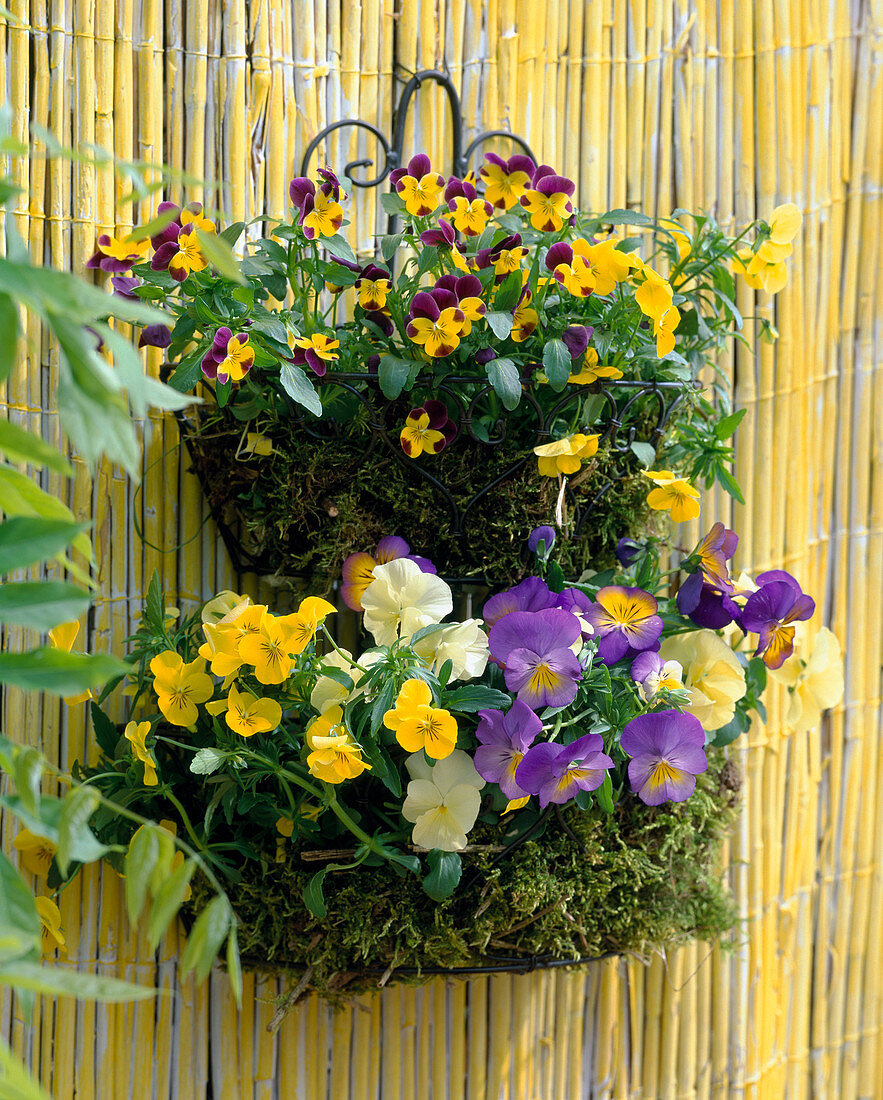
x,y
304,508
591,885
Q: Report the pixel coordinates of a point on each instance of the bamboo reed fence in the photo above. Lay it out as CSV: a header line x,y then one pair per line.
x,y
732,106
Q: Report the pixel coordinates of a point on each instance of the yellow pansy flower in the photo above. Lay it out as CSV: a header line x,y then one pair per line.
x,y
673,494
654,295
664,330
712,675
179,687
63,637
325,217
136,734
418,725
303,623
784,223
564,456
335,756
248,715
268,650
50,918
36,852
815,683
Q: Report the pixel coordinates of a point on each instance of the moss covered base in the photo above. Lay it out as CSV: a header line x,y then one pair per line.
x,y
305,507
590,885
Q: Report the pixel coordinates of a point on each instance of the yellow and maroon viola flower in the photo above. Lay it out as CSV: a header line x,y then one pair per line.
x,y
565,456
535,650
664,331
116,254
591,370
524,318
506,180
504,257
673,494
468,211
358,569
548,200
315,352
467,293
372,287
667,751
443,236
556,773
436,322
230,357
320,214
417,436
180,257
771,613
420,187
418,725
52,932
625,622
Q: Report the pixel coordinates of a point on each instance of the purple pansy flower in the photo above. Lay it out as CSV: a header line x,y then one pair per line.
x,y
626,622
124,287
652,674
532,594
534,649
668,752
544,535
443,237
579,604
505,738
576,339
705,596
557,772
770,613
155,336
628,551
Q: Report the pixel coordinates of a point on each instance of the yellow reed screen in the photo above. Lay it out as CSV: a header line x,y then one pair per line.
x,y
731,106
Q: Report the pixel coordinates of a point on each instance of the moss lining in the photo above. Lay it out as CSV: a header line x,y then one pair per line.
x,y
304,508
643,878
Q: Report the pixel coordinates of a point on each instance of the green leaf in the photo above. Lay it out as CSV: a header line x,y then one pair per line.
x,y
728,733
394,205
390,244
220,255
9,326
646,454
504,377
106,733
140,861
557,363
187,373
47,669
41,605
299,388
232,233
445,870
23,446
154,614
168,901
474,697
393,374
20,930
56,982
339,246
85,847
555,577
15,1082
207,760
27,772
624,217
725,427
234,966
508,292
500,324
314,898
729,483
206,937
604,794
76,808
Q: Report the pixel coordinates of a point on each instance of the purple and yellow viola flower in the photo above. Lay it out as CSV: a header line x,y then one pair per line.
x,y
557,773
469,212
771,613
524,318
625,621
534,649
116,254
570,267
418,435
531,594
315,352
504,257
358,568
652,674
372,287
229,357
548,200
320,215
668,752
504,739
705,596
506,180
180,257
436,328
155,336
420,187
466,291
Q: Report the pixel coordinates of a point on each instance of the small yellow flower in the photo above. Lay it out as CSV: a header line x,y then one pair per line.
x,y
179,687
335,756
784,223
303,623
248,715
36,852
524,320
654,295
325,218
63,637
285,828
564,456
673,494
417,436
682,240
269,650
592,371
136,733
189,256
664,331
712,675
418,725
50,919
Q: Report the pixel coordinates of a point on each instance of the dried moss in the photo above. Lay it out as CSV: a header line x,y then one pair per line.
x,y
591,885
304,508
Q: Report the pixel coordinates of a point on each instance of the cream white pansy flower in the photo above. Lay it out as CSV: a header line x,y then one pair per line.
x,y
224,607
463,644
815,682
328,692
402,599
442,800
712,675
